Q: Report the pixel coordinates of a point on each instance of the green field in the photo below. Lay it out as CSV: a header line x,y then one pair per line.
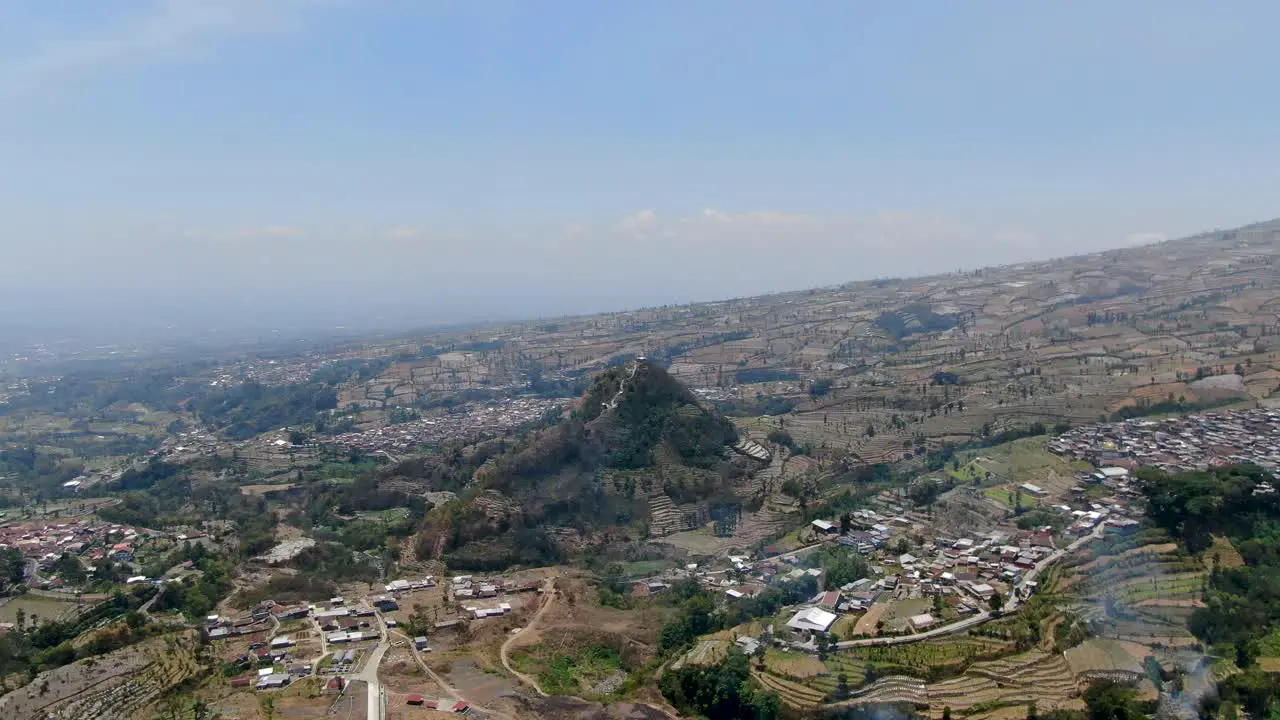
x,y
41,607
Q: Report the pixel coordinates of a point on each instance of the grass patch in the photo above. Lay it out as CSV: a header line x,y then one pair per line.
x,y
566,675
1270,645
644,568
575,662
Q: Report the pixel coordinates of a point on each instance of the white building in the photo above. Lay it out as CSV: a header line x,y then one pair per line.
x,y
920,622
812,620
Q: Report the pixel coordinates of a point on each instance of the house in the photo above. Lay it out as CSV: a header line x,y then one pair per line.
x,y
292,613
812,620
414,699
420,643
982,590
920,622
826,527
1123,526
748,645
274,680
122,552
830,600
283,641
333,614
335,685
1034,490
386,604
242,681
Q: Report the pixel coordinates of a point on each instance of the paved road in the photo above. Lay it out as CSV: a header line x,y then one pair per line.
x,y
369,674
549,589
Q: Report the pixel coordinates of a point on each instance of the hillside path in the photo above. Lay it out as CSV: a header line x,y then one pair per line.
x,y
549,589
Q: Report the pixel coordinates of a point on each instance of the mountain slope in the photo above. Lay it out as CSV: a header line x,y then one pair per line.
x,y
636,432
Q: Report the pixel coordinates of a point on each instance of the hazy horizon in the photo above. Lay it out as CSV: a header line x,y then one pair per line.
x,y
267,163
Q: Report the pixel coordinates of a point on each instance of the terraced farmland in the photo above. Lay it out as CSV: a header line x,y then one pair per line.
x,y
121,685
1035,676
980,687
793,694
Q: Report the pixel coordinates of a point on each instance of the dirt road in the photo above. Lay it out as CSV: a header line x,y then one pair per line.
x,y
549,589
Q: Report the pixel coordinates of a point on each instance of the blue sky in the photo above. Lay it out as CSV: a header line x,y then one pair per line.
x,y
458,160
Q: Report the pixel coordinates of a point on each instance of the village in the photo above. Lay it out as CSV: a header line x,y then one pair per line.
x,y
923,578
342,640
468,421
65,556
1177,444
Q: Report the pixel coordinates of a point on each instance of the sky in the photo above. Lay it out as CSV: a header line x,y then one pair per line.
x,y
420,161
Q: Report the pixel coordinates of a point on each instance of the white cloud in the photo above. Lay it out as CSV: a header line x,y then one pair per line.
x,y
270,231
638,223
256,232
166,29
757,220
404,233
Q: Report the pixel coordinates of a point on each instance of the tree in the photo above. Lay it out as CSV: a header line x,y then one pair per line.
x,y
842,686
823,644
946,712
996,602
1109,700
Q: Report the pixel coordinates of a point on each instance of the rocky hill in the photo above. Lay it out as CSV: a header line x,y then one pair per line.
x,y
637,434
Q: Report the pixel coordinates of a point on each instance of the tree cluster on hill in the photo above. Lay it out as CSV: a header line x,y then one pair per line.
x,y
246,410
913,319
54,643
197,595
633,418
722,691
1242,604
771,405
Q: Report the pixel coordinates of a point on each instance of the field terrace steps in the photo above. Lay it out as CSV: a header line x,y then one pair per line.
x,y
664,517
752,449
893,689
770,477
495,504
792,693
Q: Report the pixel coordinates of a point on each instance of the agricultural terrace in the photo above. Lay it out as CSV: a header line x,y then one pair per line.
x,y
1140,588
